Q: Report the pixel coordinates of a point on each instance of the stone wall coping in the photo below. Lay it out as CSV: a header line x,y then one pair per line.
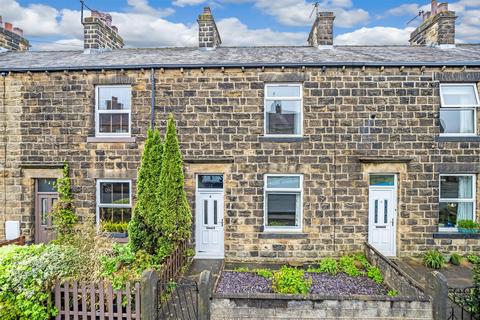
x,y
315,297
111,139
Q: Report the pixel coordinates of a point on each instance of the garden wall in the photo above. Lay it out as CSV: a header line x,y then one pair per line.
x,y
273,306
394,276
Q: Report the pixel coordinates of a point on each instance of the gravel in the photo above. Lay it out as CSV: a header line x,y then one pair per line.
x,y
243,282
322,283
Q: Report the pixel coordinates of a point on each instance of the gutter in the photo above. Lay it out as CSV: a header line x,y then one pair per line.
x,y
248,65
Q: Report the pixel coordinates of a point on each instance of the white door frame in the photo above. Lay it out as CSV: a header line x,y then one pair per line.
x,y
393,223
199,219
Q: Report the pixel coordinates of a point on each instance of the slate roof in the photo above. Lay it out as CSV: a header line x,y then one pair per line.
x,y
466,54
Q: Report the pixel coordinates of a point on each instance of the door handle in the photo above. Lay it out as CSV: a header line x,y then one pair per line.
x,y
392,222
221,222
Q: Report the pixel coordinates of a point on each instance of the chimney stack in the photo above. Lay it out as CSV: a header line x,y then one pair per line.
x,y
99,33
322,30
208,35
11,38
437,28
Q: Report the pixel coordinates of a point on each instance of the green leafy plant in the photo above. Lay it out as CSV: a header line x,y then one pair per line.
x,y
455,259
473,258
28,274
265,273
363,261
109,226
347,265
433,259
467,224
392,293
375,274
63,212
328,265
242,269
290,280
142,229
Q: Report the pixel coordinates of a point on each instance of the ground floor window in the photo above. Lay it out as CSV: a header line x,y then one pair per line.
x,y
457,199
114,201
283,202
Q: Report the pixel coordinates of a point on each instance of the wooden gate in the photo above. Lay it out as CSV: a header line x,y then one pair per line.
x,y
178,300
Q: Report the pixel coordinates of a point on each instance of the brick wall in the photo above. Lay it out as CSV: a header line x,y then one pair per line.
x,y
220,119
12,41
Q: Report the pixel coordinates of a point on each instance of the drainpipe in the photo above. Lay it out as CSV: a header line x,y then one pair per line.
x,y
335,170
152,110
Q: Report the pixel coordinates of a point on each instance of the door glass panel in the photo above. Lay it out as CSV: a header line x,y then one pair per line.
x,y
376,211
44,211
382,180
215,212
46,185
210,181
205,211
385,211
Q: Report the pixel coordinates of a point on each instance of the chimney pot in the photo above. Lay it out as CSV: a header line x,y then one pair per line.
x,y
8,26
321,33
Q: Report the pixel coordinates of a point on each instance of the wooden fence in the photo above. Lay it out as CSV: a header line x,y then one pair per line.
x,y
97,301
19,241
82,301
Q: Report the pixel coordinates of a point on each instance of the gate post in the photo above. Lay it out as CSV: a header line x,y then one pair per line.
x,y
204,291
148,295
437,289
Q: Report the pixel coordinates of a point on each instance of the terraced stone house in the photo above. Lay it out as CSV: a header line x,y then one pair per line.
x,y
291,153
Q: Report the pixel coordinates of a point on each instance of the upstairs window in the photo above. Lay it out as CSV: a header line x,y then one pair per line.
x,y
283,110
113,111
457,199
458,109
114,201
283,202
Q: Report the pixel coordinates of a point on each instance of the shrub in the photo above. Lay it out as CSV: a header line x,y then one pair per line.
x,y
141,229
242,269
28,274
433,259
455,259
265,273
375,274
328,265
347,265
392,293
473,258
175,219
363,261
63,213
120,227
290,280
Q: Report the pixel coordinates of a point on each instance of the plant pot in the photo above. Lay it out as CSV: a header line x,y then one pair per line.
x,y
467,231
118,234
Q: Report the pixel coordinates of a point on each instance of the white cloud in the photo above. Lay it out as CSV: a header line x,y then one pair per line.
x,y
407,9
375,36
183,3
235,33
64,44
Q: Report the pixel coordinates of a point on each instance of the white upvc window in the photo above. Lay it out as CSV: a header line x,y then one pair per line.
x,y
457,199
113,111
114,200
283,110
458,112
283,198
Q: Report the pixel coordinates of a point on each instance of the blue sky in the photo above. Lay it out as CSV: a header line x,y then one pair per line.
x,y
51,24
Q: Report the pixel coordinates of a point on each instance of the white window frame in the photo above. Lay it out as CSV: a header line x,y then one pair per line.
x,y
286,191
474,193
111,205
456,107
98,112
265,98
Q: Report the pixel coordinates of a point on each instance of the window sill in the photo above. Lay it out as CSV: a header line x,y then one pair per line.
x,y
457,139
455,235
270,234
282,139
111,139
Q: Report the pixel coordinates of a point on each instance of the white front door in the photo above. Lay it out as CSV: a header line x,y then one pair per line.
x,y
209,225
382,215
